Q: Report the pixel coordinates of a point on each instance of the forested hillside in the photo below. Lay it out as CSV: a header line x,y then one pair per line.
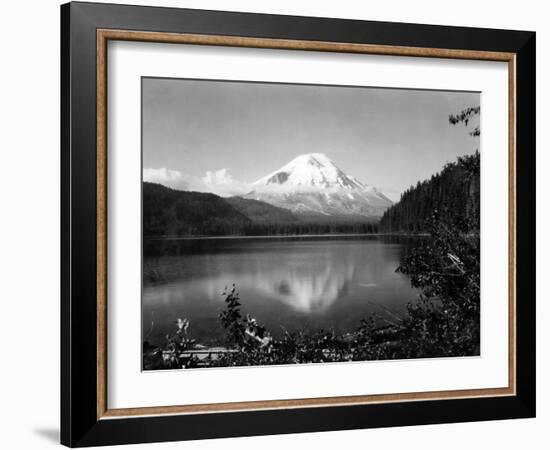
x,y
260,212
452,195
178,213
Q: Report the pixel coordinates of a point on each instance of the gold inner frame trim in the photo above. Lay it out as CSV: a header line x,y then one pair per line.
x,y
103,36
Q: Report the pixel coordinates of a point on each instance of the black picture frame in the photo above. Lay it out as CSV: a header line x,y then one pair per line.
x,y
80,425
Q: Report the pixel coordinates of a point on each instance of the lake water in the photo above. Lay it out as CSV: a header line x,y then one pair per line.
x,y
294,283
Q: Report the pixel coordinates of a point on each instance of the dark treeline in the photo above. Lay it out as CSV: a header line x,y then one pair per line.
x,y
452,195
309,228
274,229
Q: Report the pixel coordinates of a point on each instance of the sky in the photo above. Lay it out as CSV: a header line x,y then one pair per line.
x,y
220,136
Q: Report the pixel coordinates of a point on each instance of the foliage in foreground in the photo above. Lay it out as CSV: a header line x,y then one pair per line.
x,y
443,322
446,319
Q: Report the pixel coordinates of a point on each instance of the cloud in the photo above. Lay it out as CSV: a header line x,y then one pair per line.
x,y
166,177
218,177
219,182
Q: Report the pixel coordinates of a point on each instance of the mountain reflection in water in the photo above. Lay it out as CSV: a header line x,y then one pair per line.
x,y
306,288
288,284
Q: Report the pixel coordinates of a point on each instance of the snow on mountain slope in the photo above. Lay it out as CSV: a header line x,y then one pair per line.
x,y
312,184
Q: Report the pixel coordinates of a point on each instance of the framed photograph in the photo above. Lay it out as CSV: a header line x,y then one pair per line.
x,y
276,224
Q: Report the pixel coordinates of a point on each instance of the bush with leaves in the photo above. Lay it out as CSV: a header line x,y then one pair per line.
x,y
175,354
446,319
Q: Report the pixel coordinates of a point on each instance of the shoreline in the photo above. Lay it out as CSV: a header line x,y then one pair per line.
x,y
281,236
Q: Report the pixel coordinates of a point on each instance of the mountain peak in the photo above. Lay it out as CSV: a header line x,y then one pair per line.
x,y
310,171
312,183
309,158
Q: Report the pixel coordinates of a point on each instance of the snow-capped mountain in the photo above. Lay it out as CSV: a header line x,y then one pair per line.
x,y
312,184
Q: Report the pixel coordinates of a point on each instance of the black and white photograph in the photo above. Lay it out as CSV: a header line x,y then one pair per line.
x,y
275,225
291,224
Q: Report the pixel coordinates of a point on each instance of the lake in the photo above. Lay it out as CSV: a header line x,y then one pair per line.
x,y
328,282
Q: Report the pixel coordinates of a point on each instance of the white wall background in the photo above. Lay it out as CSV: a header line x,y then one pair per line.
x,y
29,224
